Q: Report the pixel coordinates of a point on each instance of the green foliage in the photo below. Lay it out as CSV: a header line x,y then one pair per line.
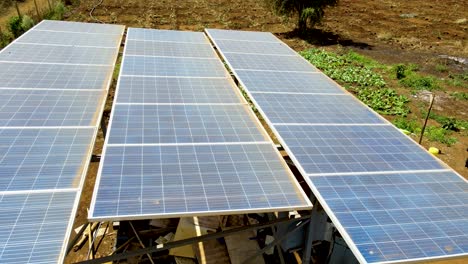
x,y
27,23
344,69
14,25
384,101
439,134
449,123
410,125
441,68
419,82
5,39
459,80
18,25
460,95
357,73
403,70
308,12
57,12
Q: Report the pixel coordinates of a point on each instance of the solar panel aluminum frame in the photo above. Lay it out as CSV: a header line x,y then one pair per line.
x,y
314,189
243,101
87,158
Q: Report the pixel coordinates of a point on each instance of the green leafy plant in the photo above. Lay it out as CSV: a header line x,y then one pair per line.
x,y
410,125
439,134
384,101
5,39
26,23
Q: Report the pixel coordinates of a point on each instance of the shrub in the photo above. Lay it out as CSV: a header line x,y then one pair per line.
x,y
26,23
14,25
411,125
418,82
384,101
57,11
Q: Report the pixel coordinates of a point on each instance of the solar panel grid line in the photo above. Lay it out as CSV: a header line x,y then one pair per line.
x,y
181,103
329,124
375,172
172,36
322,200
49,89
65,45
56,63
39,191
181,77
159,56
60,31
296,93
190,144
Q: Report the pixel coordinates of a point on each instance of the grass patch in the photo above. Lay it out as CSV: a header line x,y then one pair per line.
x,y
458,80
460,95
410,125
441,68
449,123
439,134
358,73
408,77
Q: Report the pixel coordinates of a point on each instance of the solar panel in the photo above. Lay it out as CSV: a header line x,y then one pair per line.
x,y
183,124
400,216
53,76
90,28
288,82
169,49
172,67
51,100
315,109
391,200
32,226
70,39
272,48
237,35
175,90
21,53
192,180
268,63
182,142
166,36
49,107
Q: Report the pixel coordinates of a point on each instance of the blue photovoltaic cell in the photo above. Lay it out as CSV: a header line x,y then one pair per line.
x,y
70,38
254,36
37,159
183,124
93,28
176,90
166,35
331,149
32,226
400,216
190,180
169,49
172,67
268,62
277,48
49,107
288,82
315,109
58,54
53,76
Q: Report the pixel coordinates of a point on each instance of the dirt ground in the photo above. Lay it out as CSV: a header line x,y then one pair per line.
x,y
389,31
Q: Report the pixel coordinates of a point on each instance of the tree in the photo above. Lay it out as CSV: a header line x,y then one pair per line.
x,y
308,11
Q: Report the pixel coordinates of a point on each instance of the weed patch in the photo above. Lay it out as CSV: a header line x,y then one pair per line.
x,y
460,95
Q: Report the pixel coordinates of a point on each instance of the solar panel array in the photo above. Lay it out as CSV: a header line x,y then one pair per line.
x,y
390,199
182,141
53,85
